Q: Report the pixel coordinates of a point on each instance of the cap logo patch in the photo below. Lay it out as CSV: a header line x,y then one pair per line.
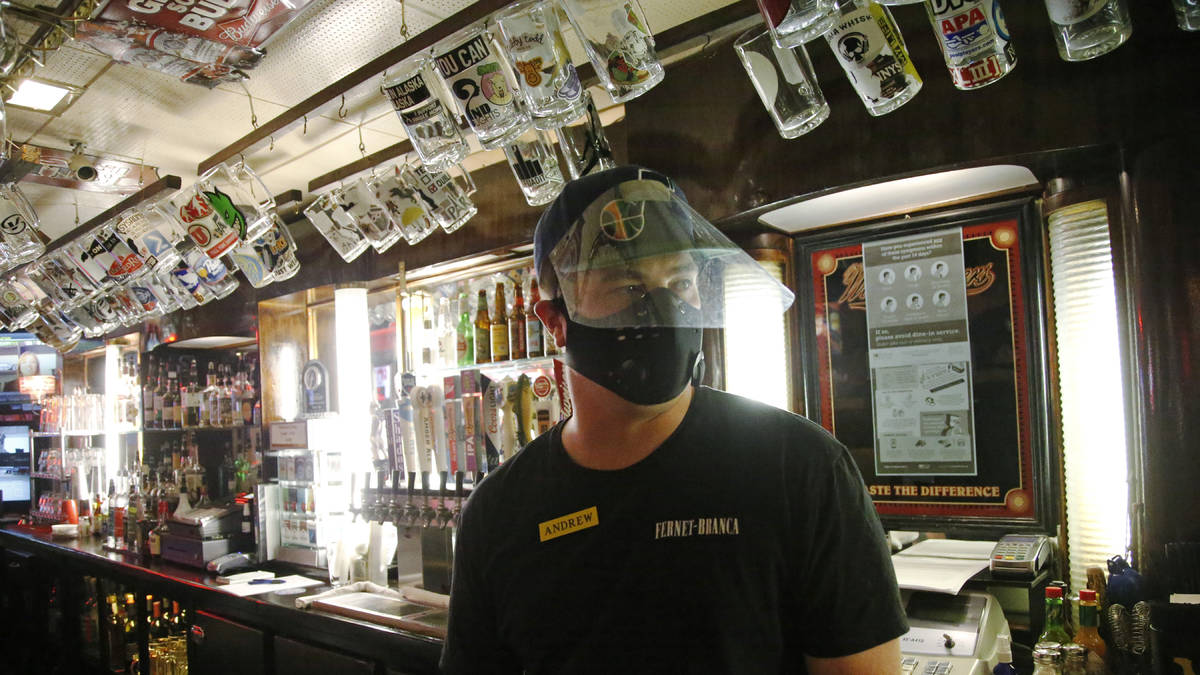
x,y
621,220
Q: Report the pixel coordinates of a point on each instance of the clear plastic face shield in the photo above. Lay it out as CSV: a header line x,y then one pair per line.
x,y
640,257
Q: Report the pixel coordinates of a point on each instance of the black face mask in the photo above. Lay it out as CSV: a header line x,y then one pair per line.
x,y
645,366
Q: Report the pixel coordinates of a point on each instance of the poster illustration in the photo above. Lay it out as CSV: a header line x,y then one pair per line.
x,y
924,356
920,355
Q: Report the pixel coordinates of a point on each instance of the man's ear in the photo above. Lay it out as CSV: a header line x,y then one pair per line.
x,y
553,319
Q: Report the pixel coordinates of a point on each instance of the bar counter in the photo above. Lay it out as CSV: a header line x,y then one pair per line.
x,y
379,649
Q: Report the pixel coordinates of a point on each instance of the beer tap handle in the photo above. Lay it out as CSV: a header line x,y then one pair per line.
x,y
353,491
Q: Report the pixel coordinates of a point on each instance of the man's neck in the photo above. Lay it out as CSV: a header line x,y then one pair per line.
x,y
607,433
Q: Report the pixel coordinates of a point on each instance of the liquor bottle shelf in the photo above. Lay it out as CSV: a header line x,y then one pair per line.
x,y
82,432
203,428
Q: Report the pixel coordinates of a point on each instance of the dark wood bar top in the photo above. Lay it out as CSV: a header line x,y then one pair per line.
x,y
272,612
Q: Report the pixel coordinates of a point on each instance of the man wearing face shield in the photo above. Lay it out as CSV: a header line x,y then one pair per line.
x,y
664,526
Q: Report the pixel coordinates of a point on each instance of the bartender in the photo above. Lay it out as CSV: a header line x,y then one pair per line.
x,y
664,526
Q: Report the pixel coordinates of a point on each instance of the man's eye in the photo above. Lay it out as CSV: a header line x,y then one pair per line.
x,y
633,289
681,285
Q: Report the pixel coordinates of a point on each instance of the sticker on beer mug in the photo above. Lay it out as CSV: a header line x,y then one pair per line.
x,y
476,79
872,53
213,221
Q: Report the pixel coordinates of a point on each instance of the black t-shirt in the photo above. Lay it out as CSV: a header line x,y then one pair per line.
x,y
743,542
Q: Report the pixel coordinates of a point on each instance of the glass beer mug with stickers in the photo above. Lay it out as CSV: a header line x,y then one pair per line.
x,y
432,128
19,240
405,204
474,68
227,206
448,202
270,258
337,226
372,219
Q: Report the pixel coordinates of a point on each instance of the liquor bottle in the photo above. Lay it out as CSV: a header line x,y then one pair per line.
x,y
871,51
1088,634
464,341
171,415
133,511
1055,630
534,346
190,393
499,327
178,620
131,641
483,330
208,402
974,40
516,326
160,387
160,528
248,396
158,627
229,399
148,396
226,474
114,636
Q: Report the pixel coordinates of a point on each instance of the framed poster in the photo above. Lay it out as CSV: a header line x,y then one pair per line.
x,y
925,352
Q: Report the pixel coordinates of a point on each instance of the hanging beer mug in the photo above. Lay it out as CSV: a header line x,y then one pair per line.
x,y
618,43
473,66
785,82
226,206
871,51
213,273
583,143
549,82
1085,29
270,258
188,282
535,165
180,296
791,23
153,231
430,126
44,273
974,40
337,226
56,330
405,206
447,201
18,227
370,216
83,317
16,305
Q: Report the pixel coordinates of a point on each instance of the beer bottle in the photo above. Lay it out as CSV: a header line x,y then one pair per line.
x,y
499,327
483,330
534,346
465,344
516,326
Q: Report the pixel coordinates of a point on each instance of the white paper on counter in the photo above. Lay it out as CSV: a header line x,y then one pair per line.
x,y
951,548
246,588
940,575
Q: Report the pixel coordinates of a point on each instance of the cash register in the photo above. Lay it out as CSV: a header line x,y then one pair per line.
x,y
951,634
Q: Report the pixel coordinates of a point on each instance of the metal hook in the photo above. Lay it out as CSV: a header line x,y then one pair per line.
x,y
253,117
271,147
362,147
342,108
304,131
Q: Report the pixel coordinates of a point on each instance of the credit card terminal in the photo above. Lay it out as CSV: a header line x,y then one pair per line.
x,y
1020,554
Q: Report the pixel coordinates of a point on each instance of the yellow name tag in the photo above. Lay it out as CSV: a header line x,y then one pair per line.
x,y
572,522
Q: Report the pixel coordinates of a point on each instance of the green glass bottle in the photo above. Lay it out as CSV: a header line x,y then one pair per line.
x,y
1056,630
465,341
